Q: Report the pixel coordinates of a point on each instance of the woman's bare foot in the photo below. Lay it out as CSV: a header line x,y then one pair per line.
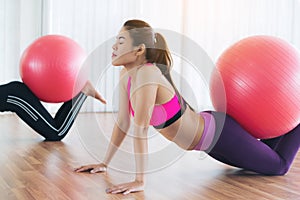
x,y
89,90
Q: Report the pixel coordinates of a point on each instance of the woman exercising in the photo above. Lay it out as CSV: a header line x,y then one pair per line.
x,y
17,97
146,87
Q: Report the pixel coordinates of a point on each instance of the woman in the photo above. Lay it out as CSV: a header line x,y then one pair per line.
x,y
17,97
146,87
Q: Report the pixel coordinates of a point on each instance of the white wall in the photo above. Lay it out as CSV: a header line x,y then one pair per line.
x,y
211,24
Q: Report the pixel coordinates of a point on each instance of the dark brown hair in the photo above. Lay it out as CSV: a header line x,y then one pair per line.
x,y
157,50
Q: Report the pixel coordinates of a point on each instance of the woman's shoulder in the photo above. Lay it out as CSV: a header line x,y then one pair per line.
x,y
148,71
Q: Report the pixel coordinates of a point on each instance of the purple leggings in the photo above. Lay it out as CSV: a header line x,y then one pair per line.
x,y
234,146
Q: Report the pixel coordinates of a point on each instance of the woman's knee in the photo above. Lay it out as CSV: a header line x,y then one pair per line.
x,y
281,169
53,136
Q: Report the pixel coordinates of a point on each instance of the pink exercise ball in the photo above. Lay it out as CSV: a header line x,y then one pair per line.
x,y
261,78
52,68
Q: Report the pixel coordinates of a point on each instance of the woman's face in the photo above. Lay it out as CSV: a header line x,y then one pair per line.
x,y
123,50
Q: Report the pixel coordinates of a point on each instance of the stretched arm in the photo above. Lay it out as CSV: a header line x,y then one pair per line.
x,y
141,152
117,138
119,131
144,100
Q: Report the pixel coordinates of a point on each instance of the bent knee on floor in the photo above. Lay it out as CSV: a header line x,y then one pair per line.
x,y
53,136
53,139
281,170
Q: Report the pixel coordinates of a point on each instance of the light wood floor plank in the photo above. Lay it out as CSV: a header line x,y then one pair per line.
x,y
33,169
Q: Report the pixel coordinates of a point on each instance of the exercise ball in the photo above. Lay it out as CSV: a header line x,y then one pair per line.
x,y
261,79
52,68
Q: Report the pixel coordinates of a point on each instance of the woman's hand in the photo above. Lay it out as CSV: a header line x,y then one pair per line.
x,y
95,168
126,188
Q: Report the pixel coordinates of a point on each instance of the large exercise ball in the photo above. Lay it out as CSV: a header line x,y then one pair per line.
x,y
52,68
261,78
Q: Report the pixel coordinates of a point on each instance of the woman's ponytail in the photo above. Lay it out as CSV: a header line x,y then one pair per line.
x,y
163,60
157,50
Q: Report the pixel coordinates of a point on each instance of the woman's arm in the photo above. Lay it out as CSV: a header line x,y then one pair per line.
x,y
144,97
145,101
141,151
117,138
119,131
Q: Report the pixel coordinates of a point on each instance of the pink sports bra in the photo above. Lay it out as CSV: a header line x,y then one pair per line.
x,y
163,115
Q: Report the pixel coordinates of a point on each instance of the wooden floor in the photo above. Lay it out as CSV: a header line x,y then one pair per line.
x,y
33,169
